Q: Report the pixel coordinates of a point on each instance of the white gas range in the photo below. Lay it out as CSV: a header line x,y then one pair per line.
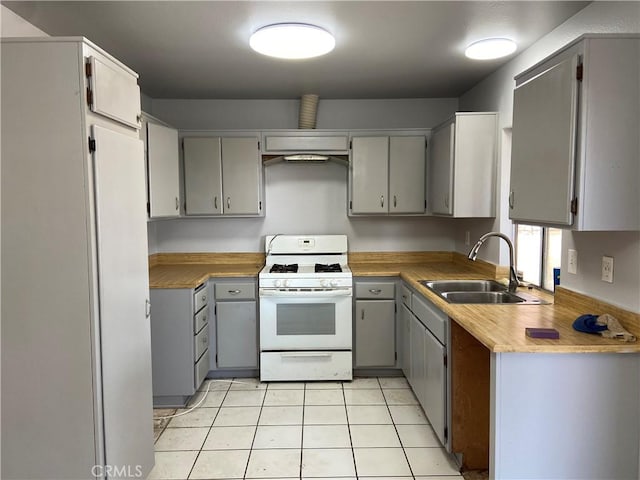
x,y
306,290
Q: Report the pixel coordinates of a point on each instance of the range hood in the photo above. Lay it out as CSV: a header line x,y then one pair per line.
x,y
300,146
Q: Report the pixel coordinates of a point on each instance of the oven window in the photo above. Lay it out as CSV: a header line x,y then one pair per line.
x,y
306,319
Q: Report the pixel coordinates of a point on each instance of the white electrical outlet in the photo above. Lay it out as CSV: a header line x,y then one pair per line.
x,y
572,261
467,237
607,269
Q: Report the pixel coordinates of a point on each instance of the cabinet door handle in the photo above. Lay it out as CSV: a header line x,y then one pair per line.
x,y
395,203
215,203
375,291
204,298
147,308
228,202
362,315
446,200
511,198
177,204
204,319
234,292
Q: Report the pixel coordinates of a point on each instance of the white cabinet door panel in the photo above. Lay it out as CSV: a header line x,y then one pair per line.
x,y
116,94
241,175
164,183
543,150
125,338
369,166
203,175
407,174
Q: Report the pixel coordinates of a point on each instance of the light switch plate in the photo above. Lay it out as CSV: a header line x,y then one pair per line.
x,y
572,261
607,269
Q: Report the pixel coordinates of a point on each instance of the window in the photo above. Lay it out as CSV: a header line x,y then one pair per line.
x,y
538,252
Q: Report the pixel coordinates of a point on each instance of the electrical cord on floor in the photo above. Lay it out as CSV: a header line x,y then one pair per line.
x,y
206,392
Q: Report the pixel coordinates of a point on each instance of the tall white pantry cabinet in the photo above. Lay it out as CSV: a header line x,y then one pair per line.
x,y
76,358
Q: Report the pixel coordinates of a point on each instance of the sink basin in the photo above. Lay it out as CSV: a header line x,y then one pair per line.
x,y
481,297
440,286
479,292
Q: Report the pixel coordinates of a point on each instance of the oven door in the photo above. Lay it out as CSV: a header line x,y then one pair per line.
x,y
305,320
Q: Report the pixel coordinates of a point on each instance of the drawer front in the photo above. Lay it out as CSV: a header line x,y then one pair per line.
x,y
235,291
200,370
201,343
431,317
406,296
304,365
375,290
201,319
200,298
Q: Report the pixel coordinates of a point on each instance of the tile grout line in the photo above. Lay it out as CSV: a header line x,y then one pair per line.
x,y
393,422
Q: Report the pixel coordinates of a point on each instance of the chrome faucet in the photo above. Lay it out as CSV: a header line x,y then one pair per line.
x,y
513,277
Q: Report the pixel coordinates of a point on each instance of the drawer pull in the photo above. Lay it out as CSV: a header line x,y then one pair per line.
x,y
234,292
204,319
375,291
203,298
362,315
306,355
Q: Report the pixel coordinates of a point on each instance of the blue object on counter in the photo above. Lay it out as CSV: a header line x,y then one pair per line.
x,y
556,276
587,323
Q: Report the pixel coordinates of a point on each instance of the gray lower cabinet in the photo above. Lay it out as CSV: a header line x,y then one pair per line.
x,y
236,325
425,362
179,343
375,325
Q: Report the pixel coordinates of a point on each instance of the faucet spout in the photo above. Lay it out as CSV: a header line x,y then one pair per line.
x,y
513,276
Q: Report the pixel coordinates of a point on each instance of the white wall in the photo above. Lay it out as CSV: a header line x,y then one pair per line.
x,y
267,114
302,199
496,93
11,25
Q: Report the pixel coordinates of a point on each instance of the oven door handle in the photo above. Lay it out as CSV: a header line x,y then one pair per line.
x,y
268,292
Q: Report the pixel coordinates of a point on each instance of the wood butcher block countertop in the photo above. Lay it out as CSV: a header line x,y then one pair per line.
x,y
501,328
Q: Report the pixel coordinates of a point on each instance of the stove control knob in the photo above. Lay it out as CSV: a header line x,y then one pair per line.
x,y
277,283
286,283
323,283
333,283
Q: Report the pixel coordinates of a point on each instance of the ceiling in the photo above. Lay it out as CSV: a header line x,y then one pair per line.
x,y
383,49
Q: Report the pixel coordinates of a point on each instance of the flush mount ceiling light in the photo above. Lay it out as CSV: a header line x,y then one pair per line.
x,y
292,41
490,48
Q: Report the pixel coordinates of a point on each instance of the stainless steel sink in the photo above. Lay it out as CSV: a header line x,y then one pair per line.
x,y
479,292
481,297
440,286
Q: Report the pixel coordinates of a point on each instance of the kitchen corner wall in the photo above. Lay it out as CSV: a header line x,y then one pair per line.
x,y
302,198
496,93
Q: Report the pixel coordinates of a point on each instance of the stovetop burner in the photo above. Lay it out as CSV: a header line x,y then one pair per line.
x,y
333,267
279,268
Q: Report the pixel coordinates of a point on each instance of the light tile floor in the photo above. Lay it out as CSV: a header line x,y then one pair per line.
x,y
365,429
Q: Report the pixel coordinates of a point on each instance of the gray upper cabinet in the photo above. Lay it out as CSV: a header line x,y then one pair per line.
x,y
163,173
462,159
222,176
387,175
575,143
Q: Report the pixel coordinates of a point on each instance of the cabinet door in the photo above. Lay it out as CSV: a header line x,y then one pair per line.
x,y
375,333
124,327
114,92
418,378
405,318
543,146
441,170
407,174
435,384
241,169
162,157
369,175
202,175
236,335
